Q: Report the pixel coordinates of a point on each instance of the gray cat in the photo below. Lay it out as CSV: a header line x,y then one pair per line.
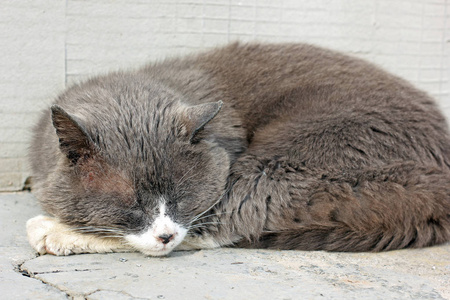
x,y
264,146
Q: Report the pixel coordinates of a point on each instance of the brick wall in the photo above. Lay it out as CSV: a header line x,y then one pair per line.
x,y
47,45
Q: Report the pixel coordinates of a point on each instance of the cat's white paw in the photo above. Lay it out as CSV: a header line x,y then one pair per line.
x,y
44,236
48,235
198,242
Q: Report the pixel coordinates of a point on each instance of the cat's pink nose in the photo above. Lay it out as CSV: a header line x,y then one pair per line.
x,y
165,238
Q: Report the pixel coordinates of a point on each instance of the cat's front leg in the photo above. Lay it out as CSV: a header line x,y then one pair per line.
x,y
206,241
48,235
196,242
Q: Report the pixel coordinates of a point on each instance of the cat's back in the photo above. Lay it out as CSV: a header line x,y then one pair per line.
x,y
266,82
325,99
259,71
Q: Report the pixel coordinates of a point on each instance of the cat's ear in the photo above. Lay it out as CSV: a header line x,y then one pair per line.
x,y
197,116
74,141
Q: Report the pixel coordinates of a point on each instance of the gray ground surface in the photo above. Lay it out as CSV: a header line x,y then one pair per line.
x,y
212,274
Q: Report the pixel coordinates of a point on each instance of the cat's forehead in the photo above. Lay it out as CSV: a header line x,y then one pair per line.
x,y
135,130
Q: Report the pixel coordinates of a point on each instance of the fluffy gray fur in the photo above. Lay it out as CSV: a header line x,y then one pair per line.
x,y
273,146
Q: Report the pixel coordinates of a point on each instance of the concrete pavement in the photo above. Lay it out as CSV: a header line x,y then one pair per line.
x,y
212,274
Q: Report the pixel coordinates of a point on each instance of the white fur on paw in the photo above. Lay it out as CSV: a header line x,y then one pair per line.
x,y
48,235
56,243
45,236
198,242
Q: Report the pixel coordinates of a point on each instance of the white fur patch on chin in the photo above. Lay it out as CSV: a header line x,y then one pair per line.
x,y
149,243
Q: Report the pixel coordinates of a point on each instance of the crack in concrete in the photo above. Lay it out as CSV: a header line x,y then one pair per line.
x,y
27,273
63,271
93,292
114,291
19,268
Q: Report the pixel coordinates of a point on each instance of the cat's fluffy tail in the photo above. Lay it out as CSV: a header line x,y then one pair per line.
x,y
394,207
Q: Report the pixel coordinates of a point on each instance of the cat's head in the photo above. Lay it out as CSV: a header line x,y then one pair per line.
x,y
143,175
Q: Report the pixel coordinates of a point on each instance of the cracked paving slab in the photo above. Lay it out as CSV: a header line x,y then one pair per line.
x,y
15,210
220,273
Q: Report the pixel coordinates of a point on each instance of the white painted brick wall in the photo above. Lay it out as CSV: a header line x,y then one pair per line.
x,y
47,45
32,71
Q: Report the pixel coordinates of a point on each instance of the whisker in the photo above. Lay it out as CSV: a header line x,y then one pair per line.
x,y
214,204
272,231
211,215
183,179
93,227
96,229
107,231
196,227
204,224
111,236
